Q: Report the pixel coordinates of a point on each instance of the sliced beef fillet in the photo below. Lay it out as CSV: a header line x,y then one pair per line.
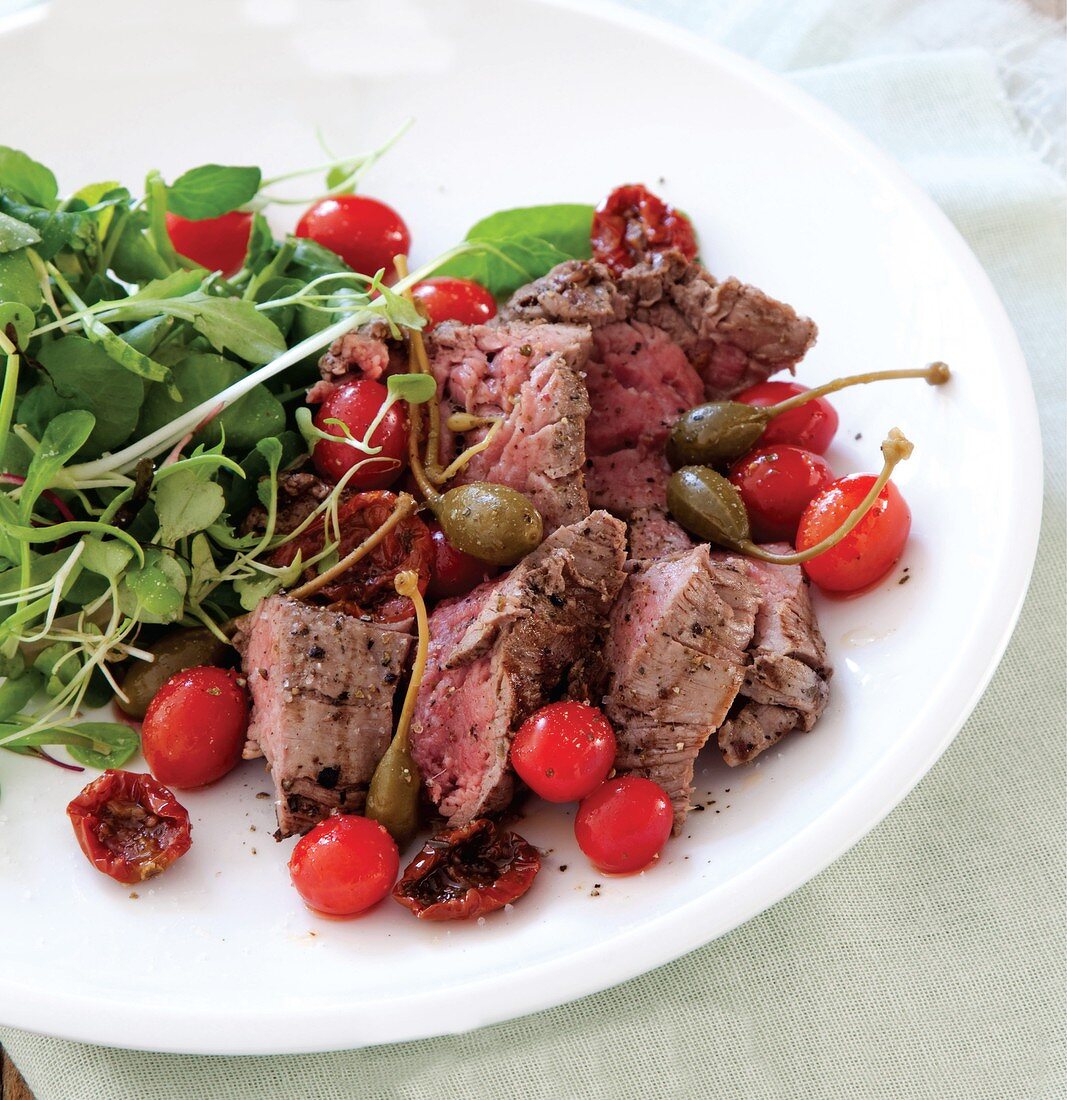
x,y
364,353
504,650
676,658
530,375
322,686
733,334
655,535
787,679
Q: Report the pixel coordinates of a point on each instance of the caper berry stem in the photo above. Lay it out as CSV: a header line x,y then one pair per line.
x,y
405,506
421,363
895,449
393,794
935,374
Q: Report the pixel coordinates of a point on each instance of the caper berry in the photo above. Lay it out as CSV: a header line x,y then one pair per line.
x,y
175,651
718,432
393,797
708,506
493,523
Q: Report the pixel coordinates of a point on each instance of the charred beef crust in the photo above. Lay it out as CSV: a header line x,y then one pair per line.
x,y
322,686
734,334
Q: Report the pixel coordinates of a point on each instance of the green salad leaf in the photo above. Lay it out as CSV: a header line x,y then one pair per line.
x,y
212,190
27,176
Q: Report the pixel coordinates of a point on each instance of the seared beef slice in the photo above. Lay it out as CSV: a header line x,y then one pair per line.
x,y
676,650
322,687
502,651
666,337
531,376
787,681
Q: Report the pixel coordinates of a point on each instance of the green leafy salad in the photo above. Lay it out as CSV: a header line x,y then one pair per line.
x,y
148,403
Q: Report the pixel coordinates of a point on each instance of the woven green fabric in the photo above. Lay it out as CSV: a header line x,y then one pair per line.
x,y
926,963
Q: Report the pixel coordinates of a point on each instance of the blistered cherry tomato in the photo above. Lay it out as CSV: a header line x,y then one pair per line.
x,y
367,588
454,573
811,426
467,871
194,728
447,299
564,750
776,484
631,224
344,865
219,244
364,232
623,825
867,552
356,404
129,826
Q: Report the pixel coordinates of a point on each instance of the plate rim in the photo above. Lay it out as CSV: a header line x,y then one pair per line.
x,y
669,936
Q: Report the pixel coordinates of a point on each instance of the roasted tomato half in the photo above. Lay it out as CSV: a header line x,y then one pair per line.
x,y
631,224
367,588
466,872
130,826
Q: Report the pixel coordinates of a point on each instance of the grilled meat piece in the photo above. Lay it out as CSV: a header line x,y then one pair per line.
x,y
676,657
322,686
504,650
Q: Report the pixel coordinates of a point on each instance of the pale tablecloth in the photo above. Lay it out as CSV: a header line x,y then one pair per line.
x,y
929,961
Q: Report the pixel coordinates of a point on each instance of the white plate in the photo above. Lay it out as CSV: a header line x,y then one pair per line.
x,y
525,103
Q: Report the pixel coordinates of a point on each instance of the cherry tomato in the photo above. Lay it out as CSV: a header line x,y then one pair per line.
x,y
811,426
447,299
467,871
867,552
356,404
367,587
454,573
194,728
624,823
219,244
129,826
344,865
364,232
564,750
776,484
631,224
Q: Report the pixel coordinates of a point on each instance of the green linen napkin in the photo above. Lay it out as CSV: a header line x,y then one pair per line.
x,y
929,961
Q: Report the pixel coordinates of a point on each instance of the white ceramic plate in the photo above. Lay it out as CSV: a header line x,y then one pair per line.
x,y
524,103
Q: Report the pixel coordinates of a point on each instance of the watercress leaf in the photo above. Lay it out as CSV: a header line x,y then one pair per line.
x,y
261,244
257,414
92,193
174,285
74,227
212,190
155,591
127,356
61,440
80,375
252,589
311,259
19,317
263,462
187,502
16,234
232,324
148,335
205,573
16,692
55,665
119,739
18,280
413,388
27,176
108,557
135,258
274,288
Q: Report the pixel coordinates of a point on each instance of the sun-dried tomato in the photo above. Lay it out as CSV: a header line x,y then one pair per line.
x,y
367,588
631,224
130,826
465,872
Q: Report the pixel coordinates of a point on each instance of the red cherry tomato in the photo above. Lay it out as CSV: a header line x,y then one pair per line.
x,y
219,244
867,552
129,826
811,426
446,299
776,484
364,232
624,823
632,224
356,404
344,865
194,728
454,573
564,750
